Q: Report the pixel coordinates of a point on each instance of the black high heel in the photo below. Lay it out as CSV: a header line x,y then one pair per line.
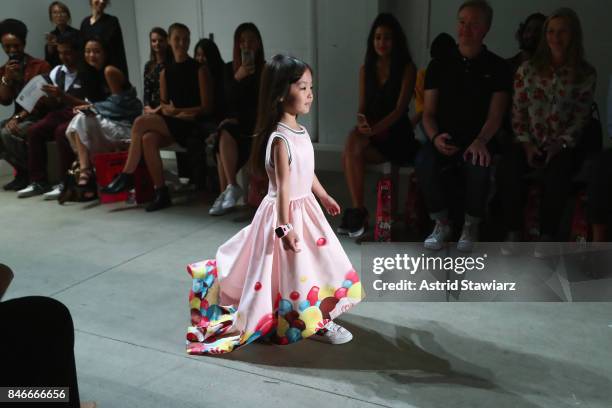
x,y
121,182
161,200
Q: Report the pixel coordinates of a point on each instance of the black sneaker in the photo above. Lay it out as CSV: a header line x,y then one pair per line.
x,y
18,183
343,228
357,222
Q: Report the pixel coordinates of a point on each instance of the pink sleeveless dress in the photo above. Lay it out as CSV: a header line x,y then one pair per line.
x,y
254,288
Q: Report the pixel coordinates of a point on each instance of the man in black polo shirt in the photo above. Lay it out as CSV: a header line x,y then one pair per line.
x,y
466,96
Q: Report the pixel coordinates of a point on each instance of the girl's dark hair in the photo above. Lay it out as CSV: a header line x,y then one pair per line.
x,y
64,8
259,55
400,56
442,46
214,61
276,80
215,65
168,58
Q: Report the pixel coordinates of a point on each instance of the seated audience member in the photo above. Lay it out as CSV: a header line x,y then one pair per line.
x,y
56,366
207,53
466,96
383,131
59,15
107,28
600,187
19,69
553,94
443,45
528,35
234,137
160,58
103,126
186,96
67,91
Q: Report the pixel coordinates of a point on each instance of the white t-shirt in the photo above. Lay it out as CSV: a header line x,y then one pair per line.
x,y
70,76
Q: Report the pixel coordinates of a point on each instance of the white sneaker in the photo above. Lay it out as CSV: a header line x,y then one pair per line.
x,y
438,237
231,195
332,333
54,193
216,208
469,235
32,190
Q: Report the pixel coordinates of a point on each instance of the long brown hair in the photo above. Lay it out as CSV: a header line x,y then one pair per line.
x,y
259,55
168,58
542,59
276,80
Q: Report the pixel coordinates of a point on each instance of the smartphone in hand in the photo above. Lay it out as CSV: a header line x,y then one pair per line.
x,y
247,57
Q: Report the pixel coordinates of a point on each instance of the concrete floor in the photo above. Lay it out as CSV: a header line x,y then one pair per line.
x,y
122,274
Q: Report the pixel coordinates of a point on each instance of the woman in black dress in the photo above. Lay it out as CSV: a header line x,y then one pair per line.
x,y
59,15
186,96
233,145
383,132
107,27
161,56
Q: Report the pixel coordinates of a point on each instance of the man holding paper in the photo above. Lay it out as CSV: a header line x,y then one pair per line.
x,y
68,88
14,75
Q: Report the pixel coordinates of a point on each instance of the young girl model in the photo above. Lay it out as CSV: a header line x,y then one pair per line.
x,y
285,276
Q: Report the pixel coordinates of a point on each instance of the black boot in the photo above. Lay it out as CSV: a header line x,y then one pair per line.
x,y
122,182
161,200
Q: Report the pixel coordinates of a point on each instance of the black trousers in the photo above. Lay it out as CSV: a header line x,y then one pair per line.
x,y
37,347
556,183
439,175
599,189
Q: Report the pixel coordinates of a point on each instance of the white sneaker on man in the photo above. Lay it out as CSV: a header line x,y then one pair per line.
x,y
54,193
32,190
231,196
216,208
469,235
435,241
332,333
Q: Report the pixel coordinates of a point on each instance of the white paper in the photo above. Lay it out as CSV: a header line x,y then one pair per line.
x,y
32,92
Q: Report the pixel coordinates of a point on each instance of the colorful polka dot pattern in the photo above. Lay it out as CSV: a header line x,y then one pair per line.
x,y
296,317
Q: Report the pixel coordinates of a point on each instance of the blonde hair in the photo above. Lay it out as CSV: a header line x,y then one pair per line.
x,y
542,59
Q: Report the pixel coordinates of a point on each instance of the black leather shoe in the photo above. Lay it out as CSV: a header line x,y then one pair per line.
x,y
18,183
161,200
122,182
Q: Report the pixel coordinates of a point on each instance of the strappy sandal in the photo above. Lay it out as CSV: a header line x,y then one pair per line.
x,y
84,178
86,185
